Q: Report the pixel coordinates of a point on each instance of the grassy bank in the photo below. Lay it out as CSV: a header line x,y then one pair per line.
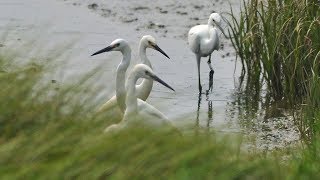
x,y
278,43
51,132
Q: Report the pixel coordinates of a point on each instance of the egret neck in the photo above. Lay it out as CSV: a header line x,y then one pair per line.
x,y
143,54
131,99
121,77
144,89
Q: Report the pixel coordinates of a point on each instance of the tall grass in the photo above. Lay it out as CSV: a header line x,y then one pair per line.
x,y
52,133
278,42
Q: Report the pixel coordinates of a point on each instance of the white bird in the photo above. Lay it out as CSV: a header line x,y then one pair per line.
x,y
143,89
138,111
204,39
122,46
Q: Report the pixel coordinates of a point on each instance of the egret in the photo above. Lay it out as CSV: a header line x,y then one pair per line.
x,y
122,46
138,111
204,39
143,89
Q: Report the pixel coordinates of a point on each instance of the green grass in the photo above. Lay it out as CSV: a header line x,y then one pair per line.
x,y
53,133
278,42
45,136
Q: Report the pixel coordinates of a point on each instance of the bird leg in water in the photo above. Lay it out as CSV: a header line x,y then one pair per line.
x,y
209,63
209,114
210,82
198,111
200,87
210,75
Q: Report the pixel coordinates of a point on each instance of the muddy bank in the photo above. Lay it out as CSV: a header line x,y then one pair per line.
x,y
167,18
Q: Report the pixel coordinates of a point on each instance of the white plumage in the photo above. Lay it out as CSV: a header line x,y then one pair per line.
x,y
138,111
145,87
204,39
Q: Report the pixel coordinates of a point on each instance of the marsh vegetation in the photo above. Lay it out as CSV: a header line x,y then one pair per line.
x,y
49,130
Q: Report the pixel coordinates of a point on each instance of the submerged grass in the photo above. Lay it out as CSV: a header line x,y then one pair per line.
x,y
278,42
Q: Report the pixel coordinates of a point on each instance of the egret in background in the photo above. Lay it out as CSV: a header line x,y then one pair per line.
x,y
204,39
138,111
145,87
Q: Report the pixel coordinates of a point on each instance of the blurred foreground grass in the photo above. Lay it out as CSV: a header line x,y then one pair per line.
x,y
52,133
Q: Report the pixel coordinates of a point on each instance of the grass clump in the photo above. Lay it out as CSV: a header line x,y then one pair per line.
x,y
278,42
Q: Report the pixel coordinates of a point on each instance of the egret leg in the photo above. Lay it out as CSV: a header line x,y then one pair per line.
x,y
198,110
199,82
210,75
209,113
210,82
198,113
209,63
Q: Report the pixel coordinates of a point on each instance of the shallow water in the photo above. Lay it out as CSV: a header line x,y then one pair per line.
x,y
92,26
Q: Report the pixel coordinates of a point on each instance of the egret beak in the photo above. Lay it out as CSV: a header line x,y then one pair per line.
x,y
156,78
156,47
109,48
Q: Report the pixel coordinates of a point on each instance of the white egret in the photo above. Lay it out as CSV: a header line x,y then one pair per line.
x,y
138,111
143,89
204,39
122,46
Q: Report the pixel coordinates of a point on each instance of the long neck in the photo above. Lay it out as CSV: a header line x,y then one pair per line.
x,y
121,78
143,54
131,99
213,40
144,89
211,25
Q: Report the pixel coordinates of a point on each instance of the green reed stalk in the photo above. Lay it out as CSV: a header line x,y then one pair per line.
x,y
278,42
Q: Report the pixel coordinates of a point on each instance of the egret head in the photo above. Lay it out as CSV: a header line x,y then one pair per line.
x,y
148,41
116,45
145,71
215,19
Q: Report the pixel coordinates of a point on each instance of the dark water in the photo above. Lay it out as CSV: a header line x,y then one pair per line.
x,y
92,26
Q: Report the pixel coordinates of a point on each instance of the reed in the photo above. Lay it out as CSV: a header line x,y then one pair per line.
x,y
278,42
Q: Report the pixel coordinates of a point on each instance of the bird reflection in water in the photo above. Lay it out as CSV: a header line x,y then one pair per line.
x,y
210,113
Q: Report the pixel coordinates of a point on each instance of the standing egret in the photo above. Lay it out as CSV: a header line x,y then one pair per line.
x,y
204,39
143,89
138,111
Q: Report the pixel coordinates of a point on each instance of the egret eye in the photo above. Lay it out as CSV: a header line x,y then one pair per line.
x,y
117,45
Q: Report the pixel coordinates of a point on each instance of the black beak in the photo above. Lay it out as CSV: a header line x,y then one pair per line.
x,y
156,47
156,78
109,48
